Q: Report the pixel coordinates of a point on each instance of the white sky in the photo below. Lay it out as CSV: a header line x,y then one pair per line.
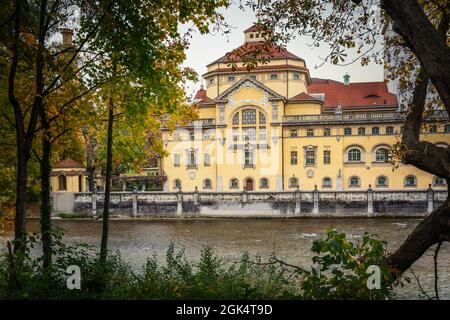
x,y
204,49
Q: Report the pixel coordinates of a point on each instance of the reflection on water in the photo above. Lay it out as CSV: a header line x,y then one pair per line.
x,y
289,239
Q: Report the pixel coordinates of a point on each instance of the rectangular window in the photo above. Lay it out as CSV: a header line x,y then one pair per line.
x,y
327,132
273,76
375,130
389,130
235,134
347,131
192,159
310,157
176,160
326,157
253,77
433,129
207,159
361,131
249,116
293,157
249,134
310,133
248,157
231,79
262,134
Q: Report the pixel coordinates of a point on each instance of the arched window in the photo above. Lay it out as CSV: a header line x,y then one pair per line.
x,y
375,130
447,128
354,182
382,154
438,181
62,182
177,184
326,182
293,133
234,183
347,131
410,181
264,183
293,182
262,118
381,181
310,133
236,119
354,155
207,184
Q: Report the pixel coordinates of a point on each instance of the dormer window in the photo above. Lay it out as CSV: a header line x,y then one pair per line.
x,y
273,76
231,79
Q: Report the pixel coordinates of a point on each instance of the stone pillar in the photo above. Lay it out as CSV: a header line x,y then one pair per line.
x,y
94,204
219,183
196,196
179,202
143,187
298,197
124,185
430,199
279,185
370,200
135,206
244,196
316,200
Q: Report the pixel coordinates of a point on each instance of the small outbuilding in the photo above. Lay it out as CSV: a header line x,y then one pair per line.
x,y
68,175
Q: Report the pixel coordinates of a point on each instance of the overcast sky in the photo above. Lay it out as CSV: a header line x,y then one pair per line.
x,y
204,49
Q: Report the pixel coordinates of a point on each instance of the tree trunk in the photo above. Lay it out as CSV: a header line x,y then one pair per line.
x,y
21,189
46,205
105,230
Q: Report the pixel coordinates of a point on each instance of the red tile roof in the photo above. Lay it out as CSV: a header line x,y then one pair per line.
x,y
256,69
303,97
271,52
353,96
68,163
253,28
202,98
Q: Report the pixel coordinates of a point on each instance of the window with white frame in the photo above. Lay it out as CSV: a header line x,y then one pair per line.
x,y
249,133
235,120
376,130
389,130
310,157
293,182
361,131
176,159
382,154
206,160
264,183
293,157
191,158
177,184
354,182
326,157
326,182
207,184
248,156
354,155
410,181
381,181
262,118
438,181
262,134
234,183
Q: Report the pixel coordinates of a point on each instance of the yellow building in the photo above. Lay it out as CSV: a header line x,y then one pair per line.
x,y
68,175
275,128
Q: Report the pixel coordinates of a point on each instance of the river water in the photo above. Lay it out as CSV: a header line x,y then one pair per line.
x,y
289,239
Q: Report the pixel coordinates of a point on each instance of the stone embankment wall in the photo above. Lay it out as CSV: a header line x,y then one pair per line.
x,y
254,204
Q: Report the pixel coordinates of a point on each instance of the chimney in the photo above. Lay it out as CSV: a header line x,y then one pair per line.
x,y
67,35
346,79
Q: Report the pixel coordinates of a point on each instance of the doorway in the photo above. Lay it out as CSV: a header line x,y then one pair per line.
x,y
249,184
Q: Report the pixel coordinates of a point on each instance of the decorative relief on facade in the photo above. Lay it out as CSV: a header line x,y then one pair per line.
x,y
264,101
221,114
274,111
191,174
310,173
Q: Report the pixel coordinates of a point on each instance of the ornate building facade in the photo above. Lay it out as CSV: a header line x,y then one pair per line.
x,y
275,128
